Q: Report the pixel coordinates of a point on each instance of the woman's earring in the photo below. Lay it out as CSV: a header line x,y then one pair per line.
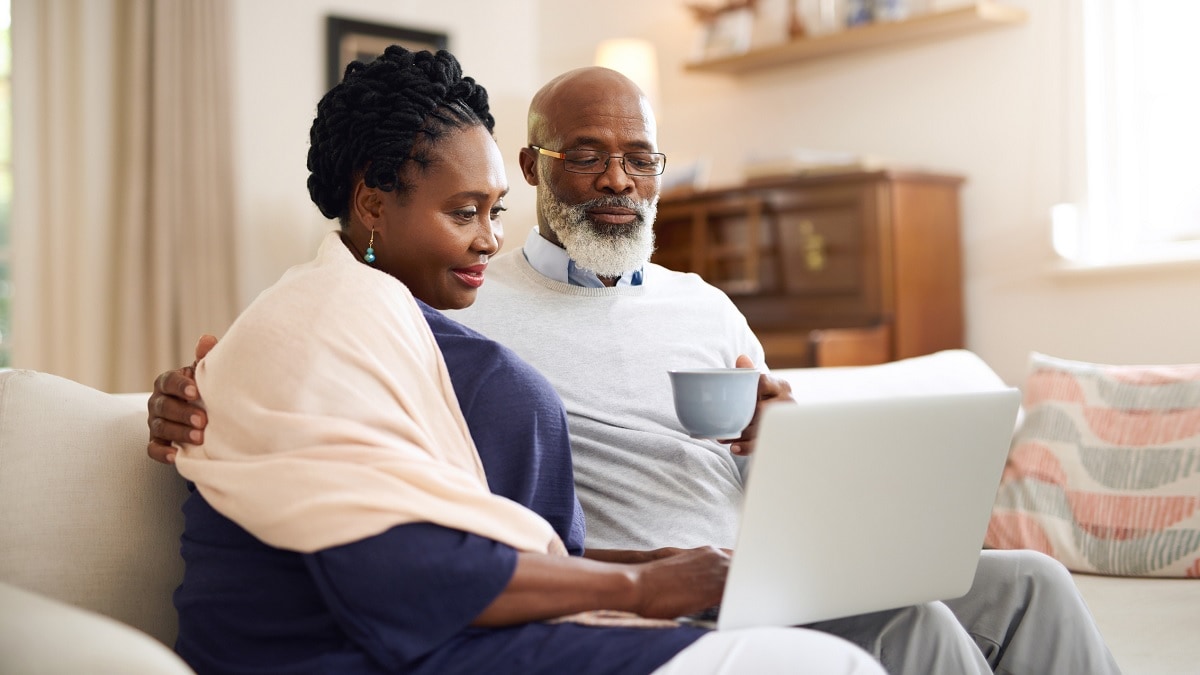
x,y
370,254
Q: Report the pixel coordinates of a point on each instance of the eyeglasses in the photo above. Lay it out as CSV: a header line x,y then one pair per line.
x,y
594,161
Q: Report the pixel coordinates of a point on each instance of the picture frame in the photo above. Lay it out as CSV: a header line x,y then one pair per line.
x,y
349,40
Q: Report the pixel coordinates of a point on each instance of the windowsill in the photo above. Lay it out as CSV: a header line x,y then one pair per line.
x,y
1186,260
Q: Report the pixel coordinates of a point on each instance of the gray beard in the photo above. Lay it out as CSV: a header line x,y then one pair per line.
x,y
607,254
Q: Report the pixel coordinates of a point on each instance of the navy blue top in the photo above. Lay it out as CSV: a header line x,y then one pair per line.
x,y
402,601
518,424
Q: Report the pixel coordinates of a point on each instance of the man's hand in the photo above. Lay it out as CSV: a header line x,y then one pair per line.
x,y
771,389
176,412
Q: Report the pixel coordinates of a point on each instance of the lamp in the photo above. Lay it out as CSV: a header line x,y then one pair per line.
x,y
635,59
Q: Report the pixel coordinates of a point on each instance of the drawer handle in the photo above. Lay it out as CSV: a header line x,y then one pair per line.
x,y
814,247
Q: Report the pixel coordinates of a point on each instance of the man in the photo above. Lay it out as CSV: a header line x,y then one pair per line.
x,y
582,303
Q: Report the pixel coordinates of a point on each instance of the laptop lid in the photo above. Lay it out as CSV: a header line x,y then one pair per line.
x,y
864,505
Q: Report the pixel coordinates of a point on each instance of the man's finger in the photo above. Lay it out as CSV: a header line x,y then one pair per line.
x,y
204,345
161,452
167,432
179,383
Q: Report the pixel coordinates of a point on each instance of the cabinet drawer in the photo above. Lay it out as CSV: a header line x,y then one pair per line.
x,y
826,347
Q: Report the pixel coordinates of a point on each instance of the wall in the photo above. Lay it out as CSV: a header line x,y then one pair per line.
x,y
990,106
995,107
280,80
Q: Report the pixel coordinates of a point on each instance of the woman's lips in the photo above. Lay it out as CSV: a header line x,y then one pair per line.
x,y
471,276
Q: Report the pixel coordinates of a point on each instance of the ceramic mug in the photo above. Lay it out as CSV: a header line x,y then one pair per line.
x,y
715,402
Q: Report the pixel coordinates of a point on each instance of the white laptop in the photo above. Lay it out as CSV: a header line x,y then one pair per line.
x,y
864,505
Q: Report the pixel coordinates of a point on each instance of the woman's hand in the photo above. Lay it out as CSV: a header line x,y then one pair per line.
x,y
546,587
681,584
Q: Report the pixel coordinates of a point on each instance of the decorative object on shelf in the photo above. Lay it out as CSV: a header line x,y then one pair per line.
x,y
890,10
859,13
811,18
863,12
936,24
726,29
354,40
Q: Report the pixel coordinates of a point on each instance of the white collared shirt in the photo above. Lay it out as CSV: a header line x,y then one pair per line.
x,y
553,262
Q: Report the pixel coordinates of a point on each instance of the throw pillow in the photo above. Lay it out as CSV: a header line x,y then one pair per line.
x,y
1104,473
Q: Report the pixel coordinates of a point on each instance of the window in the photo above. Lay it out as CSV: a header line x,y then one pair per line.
x,y
6,184
1142,136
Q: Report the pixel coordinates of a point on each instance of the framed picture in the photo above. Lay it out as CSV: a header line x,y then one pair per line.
x,y
353,40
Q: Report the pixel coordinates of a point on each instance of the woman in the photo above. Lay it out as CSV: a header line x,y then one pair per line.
x,y
342,521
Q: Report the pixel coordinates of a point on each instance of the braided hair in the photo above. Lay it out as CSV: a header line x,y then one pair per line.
x,y
383,115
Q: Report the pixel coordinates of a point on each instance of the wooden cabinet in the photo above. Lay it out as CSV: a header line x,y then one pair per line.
x,y
843,269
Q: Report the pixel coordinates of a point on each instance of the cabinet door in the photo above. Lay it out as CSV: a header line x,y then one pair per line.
x,y
853,268
820,259
719,238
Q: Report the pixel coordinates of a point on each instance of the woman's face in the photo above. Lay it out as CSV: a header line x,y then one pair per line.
x,y
437,238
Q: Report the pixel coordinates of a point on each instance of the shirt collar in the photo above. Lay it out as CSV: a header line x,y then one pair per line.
x,y
552,261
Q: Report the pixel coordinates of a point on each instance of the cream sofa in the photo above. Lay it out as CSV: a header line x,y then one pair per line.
x,y
89,531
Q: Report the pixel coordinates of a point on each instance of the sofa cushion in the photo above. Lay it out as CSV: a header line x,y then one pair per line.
x,y
1104,473
85,516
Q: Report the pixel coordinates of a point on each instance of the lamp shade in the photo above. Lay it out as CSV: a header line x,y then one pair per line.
x,y
633,58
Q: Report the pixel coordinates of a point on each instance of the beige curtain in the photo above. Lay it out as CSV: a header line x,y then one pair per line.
x,y
123,208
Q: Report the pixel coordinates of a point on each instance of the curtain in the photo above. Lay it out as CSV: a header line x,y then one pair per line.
x,y
123,207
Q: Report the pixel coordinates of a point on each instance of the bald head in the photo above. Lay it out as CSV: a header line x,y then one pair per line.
x,y
604,219
591,96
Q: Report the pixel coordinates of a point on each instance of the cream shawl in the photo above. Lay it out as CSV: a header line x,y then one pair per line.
x,y
332,419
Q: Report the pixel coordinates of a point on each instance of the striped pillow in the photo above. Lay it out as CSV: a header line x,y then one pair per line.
x,y
1104,473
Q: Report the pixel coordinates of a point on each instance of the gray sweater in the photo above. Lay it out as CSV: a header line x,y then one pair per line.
x,y
642,481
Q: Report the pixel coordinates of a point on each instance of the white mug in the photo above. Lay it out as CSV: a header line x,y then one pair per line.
x,y
715,402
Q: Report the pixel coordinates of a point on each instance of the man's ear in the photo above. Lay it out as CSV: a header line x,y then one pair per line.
x,y
366,204
528,159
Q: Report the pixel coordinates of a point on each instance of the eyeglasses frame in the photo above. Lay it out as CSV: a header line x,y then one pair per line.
x,y
607,156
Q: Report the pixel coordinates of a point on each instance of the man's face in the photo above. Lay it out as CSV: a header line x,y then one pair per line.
x,y
604,221
589,235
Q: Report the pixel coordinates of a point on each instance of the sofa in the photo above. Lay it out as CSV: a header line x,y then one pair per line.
x,y
89,530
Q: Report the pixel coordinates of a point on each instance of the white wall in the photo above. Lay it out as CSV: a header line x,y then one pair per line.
x,y
280,80
988,106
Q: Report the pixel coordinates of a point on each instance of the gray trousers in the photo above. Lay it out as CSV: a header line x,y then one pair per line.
x,y
1022,616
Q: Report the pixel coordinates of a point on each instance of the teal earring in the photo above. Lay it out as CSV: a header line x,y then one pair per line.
x,y
369,256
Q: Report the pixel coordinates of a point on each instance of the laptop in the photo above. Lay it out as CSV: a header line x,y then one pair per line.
x,y
865,505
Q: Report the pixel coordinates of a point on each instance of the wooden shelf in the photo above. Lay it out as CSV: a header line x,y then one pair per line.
x,y
982,15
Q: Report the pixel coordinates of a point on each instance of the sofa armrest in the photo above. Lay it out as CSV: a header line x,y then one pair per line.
x,y
40,635
85,517
944,372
